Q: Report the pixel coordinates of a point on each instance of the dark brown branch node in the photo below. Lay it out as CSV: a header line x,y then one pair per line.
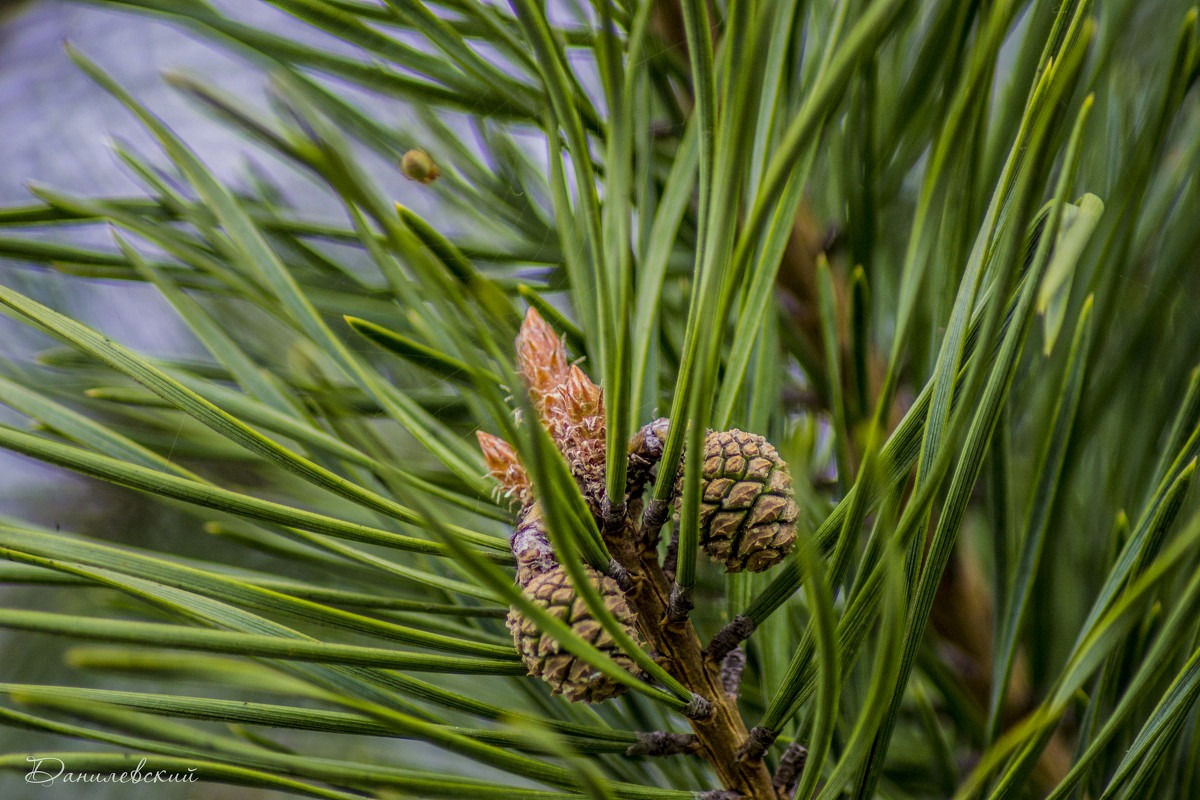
x,y
698,708
618,573
613,515
680,604
655,516
757,743
664,743
737,631
791,765
731,671
645,450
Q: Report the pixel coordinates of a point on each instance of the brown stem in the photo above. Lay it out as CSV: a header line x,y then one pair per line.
x,y
671,558
720,732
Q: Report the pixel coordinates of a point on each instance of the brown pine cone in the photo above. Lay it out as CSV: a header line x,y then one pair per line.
x,y
747,512
566,673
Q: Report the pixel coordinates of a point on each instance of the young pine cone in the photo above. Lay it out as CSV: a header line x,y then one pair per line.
x,y
747,513
568,404
566,673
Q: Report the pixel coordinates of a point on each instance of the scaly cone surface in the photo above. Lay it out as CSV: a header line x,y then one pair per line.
x,y
747,512
543,656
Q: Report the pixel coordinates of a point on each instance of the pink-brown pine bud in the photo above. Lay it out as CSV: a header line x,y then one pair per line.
x,y
577,402
541,358
584,398
505,467
568,403
574,416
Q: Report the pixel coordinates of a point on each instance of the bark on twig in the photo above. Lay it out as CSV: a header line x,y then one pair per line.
x,y
791,765
621,575
612,514
757,743
671,559
654,517
729,637
679,604
663,743
731,671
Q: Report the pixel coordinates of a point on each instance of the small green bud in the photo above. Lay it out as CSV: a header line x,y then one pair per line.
x,y
417,165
